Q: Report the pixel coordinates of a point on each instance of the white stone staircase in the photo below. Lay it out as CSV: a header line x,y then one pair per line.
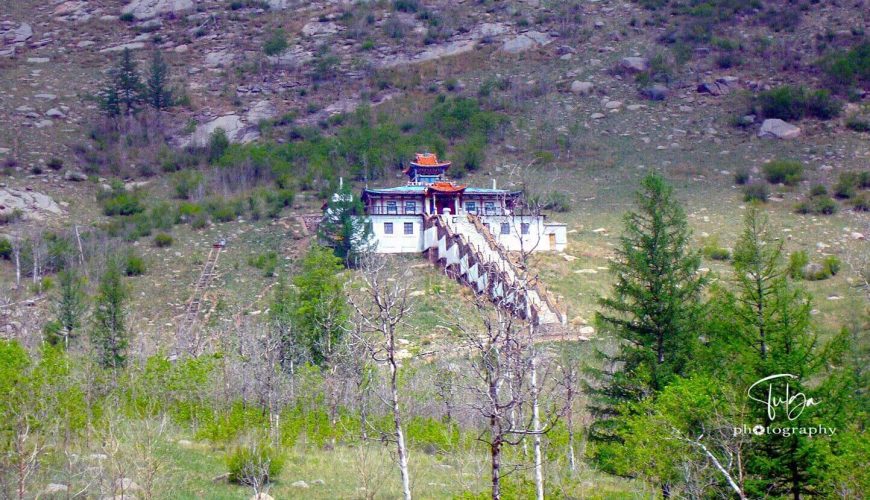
x,y
462,245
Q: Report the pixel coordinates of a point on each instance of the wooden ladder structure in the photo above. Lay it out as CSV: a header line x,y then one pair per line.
x,y
186,339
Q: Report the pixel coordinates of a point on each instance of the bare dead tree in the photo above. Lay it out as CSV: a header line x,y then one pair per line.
x,y
384,306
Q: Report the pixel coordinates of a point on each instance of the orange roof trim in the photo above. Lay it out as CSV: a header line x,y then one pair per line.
x,y
446,187
428,160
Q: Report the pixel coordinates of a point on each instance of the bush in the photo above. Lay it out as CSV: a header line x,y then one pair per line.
x,y
846,185
127,17
756,192
741,176
217,144
5,249
788,172
860,203
857,124
845,69
120,202
266,262
54,163
187,183
163,240
254,464
276,43
864,180
796,263
793,103
134,265
818,205
818,190
832,265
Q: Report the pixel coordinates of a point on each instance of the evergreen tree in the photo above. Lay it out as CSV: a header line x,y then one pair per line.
x,y
656,295
653,309
312,316
158,94
344,228
69,306
109,331
124,90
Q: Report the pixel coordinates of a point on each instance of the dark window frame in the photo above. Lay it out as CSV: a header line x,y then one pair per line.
x,y
505,228
388,228
408,228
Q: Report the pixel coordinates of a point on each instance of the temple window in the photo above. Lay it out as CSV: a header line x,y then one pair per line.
x,y
524,227
388,228
470,207
410,207
392,207
489,206
409,228
505,228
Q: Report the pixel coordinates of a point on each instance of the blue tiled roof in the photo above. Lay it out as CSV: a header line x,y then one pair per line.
x,y
398,190
473,190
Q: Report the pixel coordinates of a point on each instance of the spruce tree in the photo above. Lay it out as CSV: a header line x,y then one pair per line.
x,y
345,228
657,291
109,334
69,306
157,92
124,91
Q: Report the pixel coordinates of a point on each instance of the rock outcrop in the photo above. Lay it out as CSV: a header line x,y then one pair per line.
x,y
146,9
774,127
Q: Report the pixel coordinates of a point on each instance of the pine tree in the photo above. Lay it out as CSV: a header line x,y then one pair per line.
x,y
320,307
657,292
109,331
69,307
344,228
124,91
158,94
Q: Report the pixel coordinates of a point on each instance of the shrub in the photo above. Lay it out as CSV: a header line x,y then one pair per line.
x,y
127,17
864,180
557,201
832,265
756,191
788,172
276,43
163,240
5,249
860,203
54,163
409,6
793,103
134,265
119,201
741,176
217,144
187,183
796,263
10,217
818,205
266,262
846,185
818,190
857,124
845,69
254,464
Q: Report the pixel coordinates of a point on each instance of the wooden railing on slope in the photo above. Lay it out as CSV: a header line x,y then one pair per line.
x,y
186,340
539,287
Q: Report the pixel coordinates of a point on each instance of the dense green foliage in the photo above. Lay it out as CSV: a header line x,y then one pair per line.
x,y
788,172
345,228
109,333
794,103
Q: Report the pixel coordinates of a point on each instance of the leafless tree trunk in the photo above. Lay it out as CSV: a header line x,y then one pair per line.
x,y
385,306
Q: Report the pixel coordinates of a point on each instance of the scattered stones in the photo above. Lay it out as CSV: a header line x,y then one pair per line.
x,y
74,176
219,58
294,57
317,28
586,331
613,105
318,482
656,92
38,60
123,46
21,34
525,41
300,484
596,116
45,97
585,271
146,9
634,64
582,88
55,113
54,489
857,236
774,127
262,496
125,484
236,129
